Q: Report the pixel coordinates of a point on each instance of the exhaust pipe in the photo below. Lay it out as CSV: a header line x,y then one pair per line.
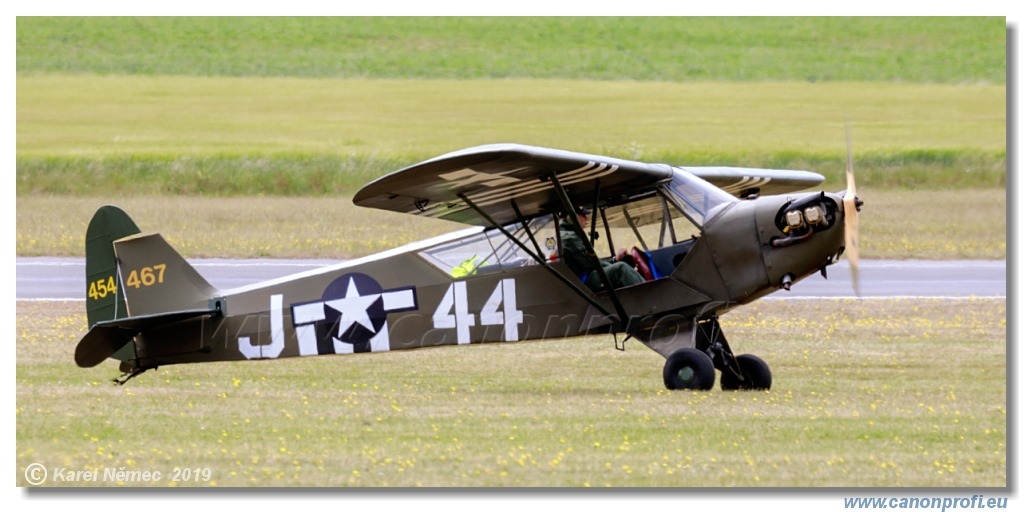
x,y
787,282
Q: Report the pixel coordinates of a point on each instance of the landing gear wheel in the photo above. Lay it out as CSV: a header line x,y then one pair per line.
x,y
689,368
756,373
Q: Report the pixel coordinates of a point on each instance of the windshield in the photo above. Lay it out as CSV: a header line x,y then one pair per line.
x,y
696,197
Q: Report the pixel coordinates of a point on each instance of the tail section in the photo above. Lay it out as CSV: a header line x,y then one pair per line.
x,y
110,223
155,279
134,282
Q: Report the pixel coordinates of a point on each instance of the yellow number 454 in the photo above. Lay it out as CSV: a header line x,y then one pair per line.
x,y
102,287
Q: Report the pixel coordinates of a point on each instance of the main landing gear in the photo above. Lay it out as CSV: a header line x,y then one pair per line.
x,y
694,368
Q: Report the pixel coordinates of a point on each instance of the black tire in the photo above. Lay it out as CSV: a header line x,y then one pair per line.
x,y
689,368
758,376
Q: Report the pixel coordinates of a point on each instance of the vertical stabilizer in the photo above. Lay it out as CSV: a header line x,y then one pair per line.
x,y
108,224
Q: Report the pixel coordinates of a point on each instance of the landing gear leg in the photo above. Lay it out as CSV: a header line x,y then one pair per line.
x,y
744,372
693,351
694,368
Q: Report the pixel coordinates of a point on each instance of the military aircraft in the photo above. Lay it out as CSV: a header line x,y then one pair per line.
x,y
700,250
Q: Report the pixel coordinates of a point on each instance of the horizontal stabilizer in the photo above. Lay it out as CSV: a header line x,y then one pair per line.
x,y
106,338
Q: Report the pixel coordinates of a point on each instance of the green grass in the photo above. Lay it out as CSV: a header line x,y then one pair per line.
x,y
121,109
86,140
860,399
89,134
899,224
62,115
946,224
811,49
245,227
329,175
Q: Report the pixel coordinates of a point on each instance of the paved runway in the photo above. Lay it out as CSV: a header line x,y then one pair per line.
x,y
64,278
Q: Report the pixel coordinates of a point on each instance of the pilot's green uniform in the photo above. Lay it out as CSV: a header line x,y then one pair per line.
x,y
575,254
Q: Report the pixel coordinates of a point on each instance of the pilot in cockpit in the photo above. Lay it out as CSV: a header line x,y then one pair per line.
x,y
620,269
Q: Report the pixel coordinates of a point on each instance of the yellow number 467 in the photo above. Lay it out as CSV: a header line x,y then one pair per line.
x,y
146,276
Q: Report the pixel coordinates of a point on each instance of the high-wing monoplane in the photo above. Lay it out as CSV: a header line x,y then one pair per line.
x,y
698,242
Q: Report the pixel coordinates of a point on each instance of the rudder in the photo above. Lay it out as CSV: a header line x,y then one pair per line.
x,y
108,224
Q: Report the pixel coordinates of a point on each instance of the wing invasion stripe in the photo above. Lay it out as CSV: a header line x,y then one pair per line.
x,y
588,172
436,210
529,185
745,183
600,172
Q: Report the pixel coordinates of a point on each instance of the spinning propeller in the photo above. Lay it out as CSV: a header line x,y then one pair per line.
x,y
851,207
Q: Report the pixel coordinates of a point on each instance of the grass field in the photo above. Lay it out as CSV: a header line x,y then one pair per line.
x,y
95,137
318,105
100,116
815,49
246,137
894,225
873,393
78,134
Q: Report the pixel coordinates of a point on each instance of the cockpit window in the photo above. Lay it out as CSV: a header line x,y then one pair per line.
x,y
491,251
696,197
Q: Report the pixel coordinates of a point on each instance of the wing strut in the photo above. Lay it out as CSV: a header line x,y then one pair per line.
x,y
632,224
604,220
535,255
608,233
593,225
666,217
522,220
623,318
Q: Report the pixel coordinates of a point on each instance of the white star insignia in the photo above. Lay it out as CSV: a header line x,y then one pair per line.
x,y
353,308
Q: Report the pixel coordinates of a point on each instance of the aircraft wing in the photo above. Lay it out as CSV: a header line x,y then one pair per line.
x,y
493,177
739,181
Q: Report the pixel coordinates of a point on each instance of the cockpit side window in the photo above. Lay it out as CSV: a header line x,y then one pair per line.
x,y
491,251
654,221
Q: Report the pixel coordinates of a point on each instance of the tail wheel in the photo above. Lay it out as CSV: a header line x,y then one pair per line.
x,y
689,368
756,374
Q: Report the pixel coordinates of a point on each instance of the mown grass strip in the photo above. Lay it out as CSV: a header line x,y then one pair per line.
x,y
331,175
276,175
939,224
287,136
812,49
92,116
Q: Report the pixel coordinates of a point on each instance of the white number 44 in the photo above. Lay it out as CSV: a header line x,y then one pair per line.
x,y
500,309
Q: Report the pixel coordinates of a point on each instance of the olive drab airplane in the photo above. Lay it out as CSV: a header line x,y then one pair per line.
x,y
703,241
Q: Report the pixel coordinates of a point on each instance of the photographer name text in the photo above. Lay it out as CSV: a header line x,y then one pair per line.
x,y
37,474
